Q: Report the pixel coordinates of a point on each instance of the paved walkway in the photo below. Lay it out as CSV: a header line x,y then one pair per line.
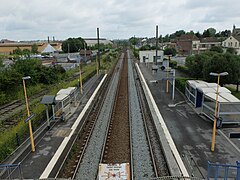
x,y
191,132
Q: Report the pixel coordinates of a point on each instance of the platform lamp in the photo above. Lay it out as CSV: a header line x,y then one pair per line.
x,y
28,113
216,107
80,78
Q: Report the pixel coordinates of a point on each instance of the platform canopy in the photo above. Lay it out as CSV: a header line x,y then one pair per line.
x,y
212,95
61,97
48,99
67,91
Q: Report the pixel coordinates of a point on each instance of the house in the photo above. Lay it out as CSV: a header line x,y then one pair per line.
x,y
207,43
149,56
188,44
87,53
233,41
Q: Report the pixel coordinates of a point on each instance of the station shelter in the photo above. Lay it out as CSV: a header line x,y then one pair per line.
x,y
64,99
203,95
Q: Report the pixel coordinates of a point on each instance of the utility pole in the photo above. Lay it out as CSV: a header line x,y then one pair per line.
x,y
134,41
98,48
156,43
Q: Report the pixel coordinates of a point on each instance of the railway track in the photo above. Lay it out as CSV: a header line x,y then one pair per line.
x,y
157,155
69,167
72,162
117,147
117,129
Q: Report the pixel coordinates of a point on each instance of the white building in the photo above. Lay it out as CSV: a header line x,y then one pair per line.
x,y
150,56
232,42
94,41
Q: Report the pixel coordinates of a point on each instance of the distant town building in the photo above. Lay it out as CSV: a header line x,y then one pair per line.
x,y
207,43
235,31
43,47
188,44
93,41
150,56
233,41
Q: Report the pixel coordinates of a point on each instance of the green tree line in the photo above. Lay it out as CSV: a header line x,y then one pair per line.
x,y
11,78
200,65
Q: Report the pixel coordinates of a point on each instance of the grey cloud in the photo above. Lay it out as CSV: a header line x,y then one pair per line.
x,y
27,19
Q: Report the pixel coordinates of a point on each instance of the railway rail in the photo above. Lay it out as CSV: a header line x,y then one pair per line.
x,y
74,158
118,132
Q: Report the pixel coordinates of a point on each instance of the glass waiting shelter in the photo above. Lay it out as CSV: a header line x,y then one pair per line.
x,y
228,107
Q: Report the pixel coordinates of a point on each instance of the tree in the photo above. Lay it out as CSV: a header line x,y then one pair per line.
x,y
231,50
195,65
220,63
34,49
198,34
73,45
17,51
170,51
210,32
179,33
216,49
26,52
133,41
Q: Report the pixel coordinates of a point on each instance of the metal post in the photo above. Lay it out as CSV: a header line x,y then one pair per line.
x,y
96,65
215,116
167,83
48,122
98,48
156,43
53,110
80,78
28,113
173,84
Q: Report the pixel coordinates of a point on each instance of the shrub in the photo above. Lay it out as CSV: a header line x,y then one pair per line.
x,y
180,84
183,69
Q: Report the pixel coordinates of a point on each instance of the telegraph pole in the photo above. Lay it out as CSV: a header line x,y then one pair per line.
x,y
98,48
156,43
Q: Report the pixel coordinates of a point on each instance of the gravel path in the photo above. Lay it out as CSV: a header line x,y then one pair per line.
x,y
142,163
89,166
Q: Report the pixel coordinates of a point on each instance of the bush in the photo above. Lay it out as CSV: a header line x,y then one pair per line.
x,y
173,64
180,84
183,69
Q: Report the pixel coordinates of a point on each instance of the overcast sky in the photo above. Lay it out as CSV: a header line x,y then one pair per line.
x,y
117,19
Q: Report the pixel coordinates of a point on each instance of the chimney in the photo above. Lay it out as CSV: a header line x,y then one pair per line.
x,y
53,39
48,39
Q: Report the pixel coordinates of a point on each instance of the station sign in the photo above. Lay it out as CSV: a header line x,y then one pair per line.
x,y
114,171
26,120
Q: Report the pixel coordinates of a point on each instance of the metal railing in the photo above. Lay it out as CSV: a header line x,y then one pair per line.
x,y
223,171
9,170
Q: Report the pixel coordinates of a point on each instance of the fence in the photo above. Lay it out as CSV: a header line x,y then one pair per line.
x,y
223,171
9,169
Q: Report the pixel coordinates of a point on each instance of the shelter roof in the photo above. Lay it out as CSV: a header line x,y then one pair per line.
x,y
61,97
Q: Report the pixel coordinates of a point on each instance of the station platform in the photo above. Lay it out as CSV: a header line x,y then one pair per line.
x,y
191,132
47,144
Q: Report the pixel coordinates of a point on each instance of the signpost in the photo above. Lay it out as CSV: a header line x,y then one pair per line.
x,y
114,171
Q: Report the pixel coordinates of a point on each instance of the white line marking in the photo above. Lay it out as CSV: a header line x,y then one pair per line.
x,y
59,151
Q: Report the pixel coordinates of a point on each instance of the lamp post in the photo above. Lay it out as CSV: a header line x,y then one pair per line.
x,y
80,78
216,108
28,113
